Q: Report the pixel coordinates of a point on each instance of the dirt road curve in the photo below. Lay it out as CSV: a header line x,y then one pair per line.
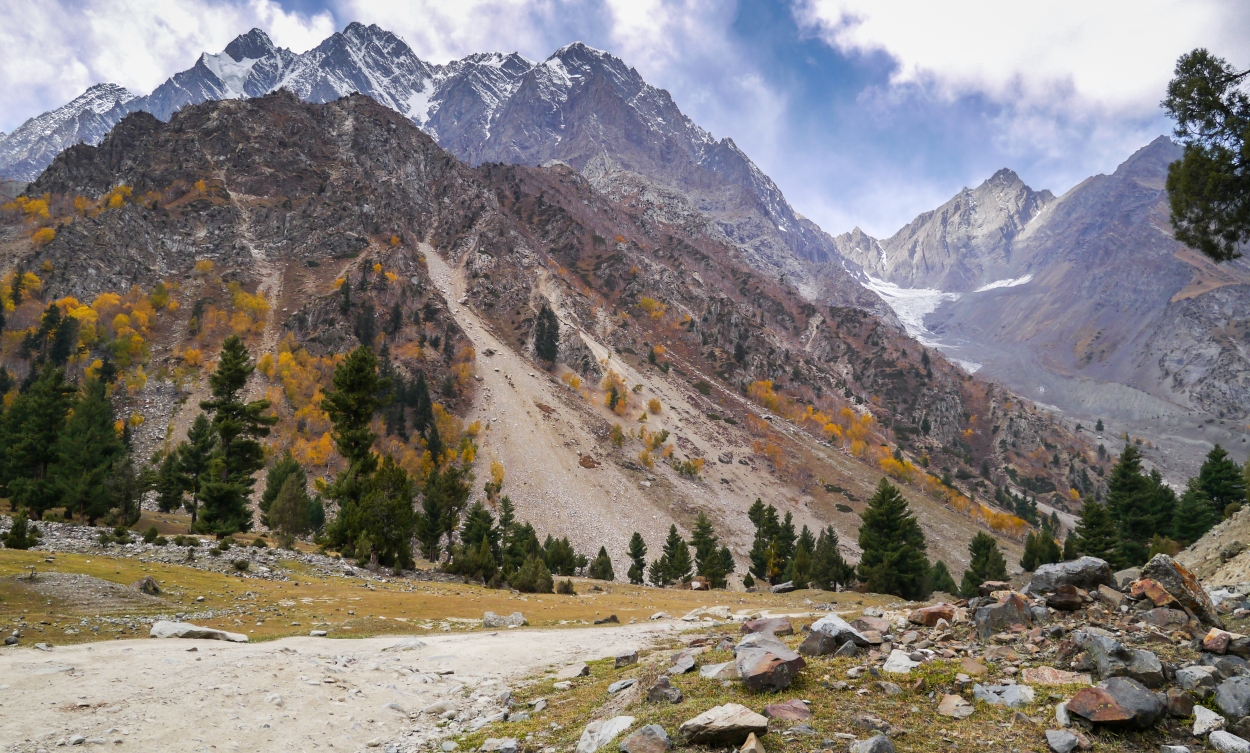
x,y
291,694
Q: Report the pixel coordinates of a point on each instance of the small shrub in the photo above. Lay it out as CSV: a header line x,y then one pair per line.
x,y
121,535
748,581
211,552
703,387
844,508
566,588
224,544
259,543
713,416
240,565
160,541
654,406
1232,510
731,420
150,535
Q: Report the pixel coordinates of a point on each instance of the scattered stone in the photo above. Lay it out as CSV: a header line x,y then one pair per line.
x,y
929,616
1052,676
663,691
1111,596
875,744
771,625
573,670
726,725
1173,749
499,744
792,710
683,662
899,663
847,650
864,623
167,629
723,671
972,667
1010,610
627,658
1226,742
659,616
1086,573
782,588
598,734
1117,702
1062,717
1183,586
1061,740
1011,696
318,633
1197,679
1112,659
752,745
620,685
1179,703
449,745
649,739
1166,619
1206,721
955,706
830,633
1066,598
514,620
1149,589
1123,579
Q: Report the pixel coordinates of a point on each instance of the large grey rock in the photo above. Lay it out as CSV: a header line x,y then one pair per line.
x,y
492,620
649,739
167,629
782,588
1197,679
1112,659
724,725
1120,702
723,671
1233,697
683,662
1011,696
598,734
1206,721
772,625
572,671
1122,579
839,630
1061,740
1183,586
874,744
1226,742
1008,611
1087,573
662,691
768,667
498,745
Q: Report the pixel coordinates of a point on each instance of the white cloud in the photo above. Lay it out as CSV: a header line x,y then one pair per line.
x,y
59,47
1112,54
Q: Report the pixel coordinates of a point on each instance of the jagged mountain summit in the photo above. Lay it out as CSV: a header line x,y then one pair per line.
x,y
580,106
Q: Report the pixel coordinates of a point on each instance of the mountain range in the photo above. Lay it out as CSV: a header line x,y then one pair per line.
x,y
1082,301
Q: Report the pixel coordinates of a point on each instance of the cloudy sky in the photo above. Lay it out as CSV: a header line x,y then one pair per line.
x,y
865,112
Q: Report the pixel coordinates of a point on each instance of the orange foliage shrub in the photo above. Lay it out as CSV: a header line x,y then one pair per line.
x,y
43,237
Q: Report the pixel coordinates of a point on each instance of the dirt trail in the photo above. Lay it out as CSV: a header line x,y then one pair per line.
x,y
199,695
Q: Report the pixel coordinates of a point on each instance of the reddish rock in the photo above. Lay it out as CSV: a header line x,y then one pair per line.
x,y
768,667
929,616
792,710
871,623
773,625
1166,619
1216,641
1149,589
1182,585
993,586
1066,598
1118,702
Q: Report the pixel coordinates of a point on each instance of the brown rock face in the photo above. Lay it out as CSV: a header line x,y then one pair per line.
x,y
726,725
929,616
792,710
1183,586
768,667
1118,702
773,625
1149,589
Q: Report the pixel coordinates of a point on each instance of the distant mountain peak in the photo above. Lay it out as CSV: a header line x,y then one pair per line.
x,y
253,45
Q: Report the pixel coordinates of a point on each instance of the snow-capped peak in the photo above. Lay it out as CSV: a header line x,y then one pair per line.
x,y
232,73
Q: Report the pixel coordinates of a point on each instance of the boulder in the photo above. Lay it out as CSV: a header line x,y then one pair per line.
x,y
782,588
865,623
1149,589
1179,703
771,625
1087,573
847,650
662,691
840,631
683,662
752,745
899,663
723,725
1112,659
1183,586
491,620
1226,742
1111,596
1206,721
598,734
1199,680
874,744
792,710
147,585
1011,609
620,685
929,616
1011,696
649,739
992,587
1166,619
1052,676
626,659
1061,740
167,629
955,706
821,644
1123,579
1117,702
768,666
1233,696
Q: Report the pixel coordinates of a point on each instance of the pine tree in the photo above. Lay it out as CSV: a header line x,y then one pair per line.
x,y
1071,546
29,438
707,557
288,514
170,491
893,545
85,451
940,580
1130,500
444,495
382,522
547,335
637,559
350,404
1194,514
829,569
1096,533
1098,427
238,455
987,563
123,491
193,457
422,405
285,467
801,567
601,566
784,544
479,525
19,536
1222,481
767,528
674,563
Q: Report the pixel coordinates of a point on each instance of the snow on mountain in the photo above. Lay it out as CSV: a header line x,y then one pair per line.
x,y
31,146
